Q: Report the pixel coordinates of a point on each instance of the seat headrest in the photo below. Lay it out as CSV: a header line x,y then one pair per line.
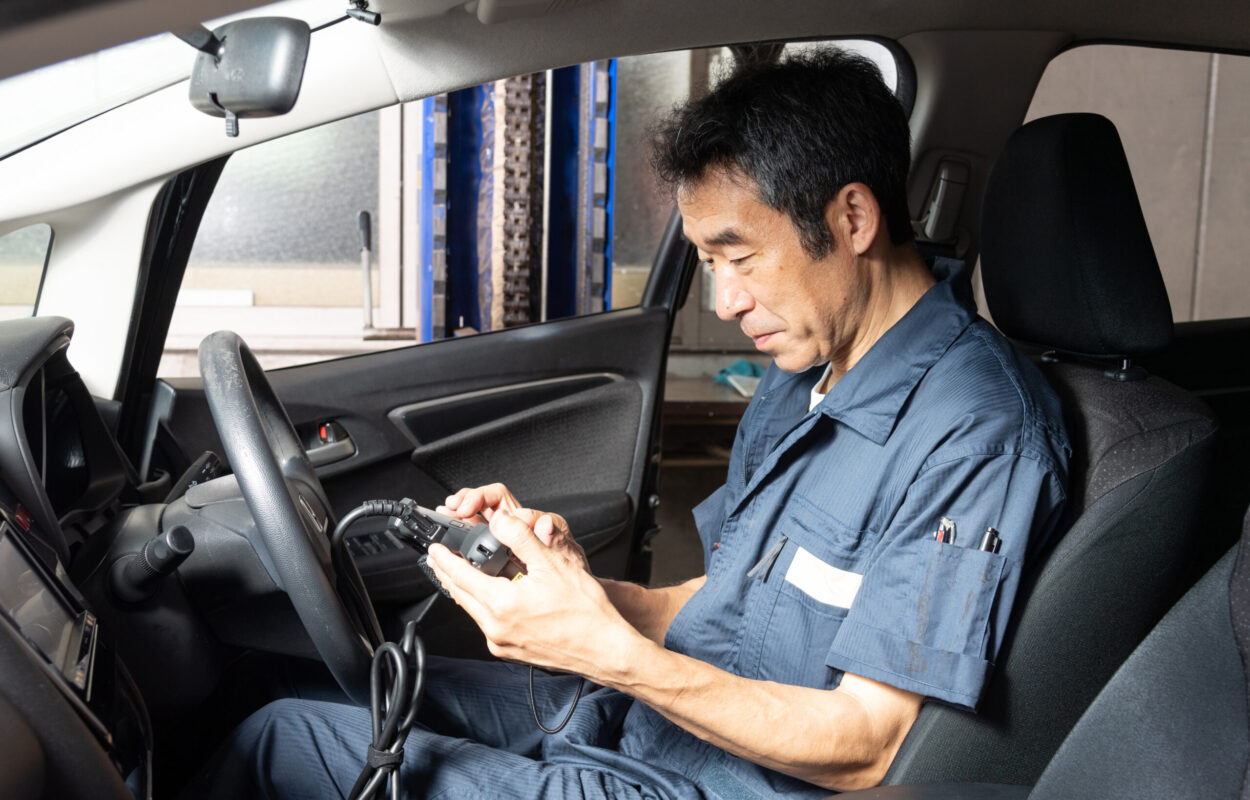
x,y
1066,259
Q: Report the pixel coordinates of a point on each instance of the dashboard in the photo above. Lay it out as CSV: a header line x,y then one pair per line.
x,y
56,454
66,699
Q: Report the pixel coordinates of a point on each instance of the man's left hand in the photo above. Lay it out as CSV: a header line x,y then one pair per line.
x,y
557,616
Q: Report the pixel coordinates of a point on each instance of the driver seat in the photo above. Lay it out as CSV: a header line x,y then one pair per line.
x,y
1068,267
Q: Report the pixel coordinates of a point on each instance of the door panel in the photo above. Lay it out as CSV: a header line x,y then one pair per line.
x,y
567,444
562,412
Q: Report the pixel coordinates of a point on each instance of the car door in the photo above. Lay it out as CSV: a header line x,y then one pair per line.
x,y
563,412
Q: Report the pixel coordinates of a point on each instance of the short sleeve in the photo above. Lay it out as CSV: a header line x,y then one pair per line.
x,y
929,616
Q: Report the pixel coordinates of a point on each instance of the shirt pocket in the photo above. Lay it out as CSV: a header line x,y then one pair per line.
x,y
824,535
807,594
955,592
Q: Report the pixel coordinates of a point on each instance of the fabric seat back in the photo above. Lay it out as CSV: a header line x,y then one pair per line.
x,y
1068,267
1172,722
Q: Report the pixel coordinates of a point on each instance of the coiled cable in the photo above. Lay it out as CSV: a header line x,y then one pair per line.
x,y
396,684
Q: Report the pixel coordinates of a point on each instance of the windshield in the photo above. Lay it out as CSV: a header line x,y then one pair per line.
x,y
48,100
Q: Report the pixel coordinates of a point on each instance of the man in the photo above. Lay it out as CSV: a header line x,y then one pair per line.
x,y
849,570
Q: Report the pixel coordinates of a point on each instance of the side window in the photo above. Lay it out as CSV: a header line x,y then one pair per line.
x,y
23,256
517,201
278,254
1184,121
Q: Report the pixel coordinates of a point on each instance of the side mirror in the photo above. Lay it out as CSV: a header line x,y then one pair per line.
x,y
248,68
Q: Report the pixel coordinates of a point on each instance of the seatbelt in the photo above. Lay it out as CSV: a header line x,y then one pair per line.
x,y
1239,611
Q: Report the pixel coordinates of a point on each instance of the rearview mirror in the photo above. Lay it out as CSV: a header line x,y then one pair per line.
x,y
248,68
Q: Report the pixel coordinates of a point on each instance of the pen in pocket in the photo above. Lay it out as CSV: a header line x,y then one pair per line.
x,y
990,542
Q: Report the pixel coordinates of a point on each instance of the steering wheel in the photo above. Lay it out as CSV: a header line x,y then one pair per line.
x,y
292,514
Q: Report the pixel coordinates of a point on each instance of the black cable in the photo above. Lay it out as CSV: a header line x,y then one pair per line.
x,y
397,675
352,585
581,684
394,710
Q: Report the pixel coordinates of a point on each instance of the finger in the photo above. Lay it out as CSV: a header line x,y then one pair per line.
x,y
529,516
560,524
464,503
453,500
460,579
484,500
520,539
545,529
462,498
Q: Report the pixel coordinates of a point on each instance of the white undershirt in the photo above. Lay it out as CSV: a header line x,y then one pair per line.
x,y
818,396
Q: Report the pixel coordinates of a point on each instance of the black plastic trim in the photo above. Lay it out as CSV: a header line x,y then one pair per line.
x,y
43,276
431,420
172,226
1190,48
672,271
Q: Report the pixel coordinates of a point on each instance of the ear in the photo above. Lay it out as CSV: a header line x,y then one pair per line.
x,y
854,216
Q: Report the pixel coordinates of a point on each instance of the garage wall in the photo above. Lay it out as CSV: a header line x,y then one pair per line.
x,y
1185,121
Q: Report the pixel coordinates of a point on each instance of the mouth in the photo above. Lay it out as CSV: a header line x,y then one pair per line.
x,y
761,339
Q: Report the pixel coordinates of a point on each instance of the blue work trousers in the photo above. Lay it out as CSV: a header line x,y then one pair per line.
x,y
476,738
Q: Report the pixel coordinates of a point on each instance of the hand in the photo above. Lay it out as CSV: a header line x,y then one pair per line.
x,y
557,616
551,529
483,501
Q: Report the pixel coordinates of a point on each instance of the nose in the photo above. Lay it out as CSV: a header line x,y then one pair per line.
x,y
732,301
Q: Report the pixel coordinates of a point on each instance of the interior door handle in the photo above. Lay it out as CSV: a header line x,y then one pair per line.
x,y
323,454
326,442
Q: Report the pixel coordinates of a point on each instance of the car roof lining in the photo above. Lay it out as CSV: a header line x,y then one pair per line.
x,y
575,32
433,46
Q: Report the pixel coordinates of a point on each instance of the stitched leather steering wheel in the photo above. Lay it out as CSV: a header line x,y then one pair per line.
x,y
292,514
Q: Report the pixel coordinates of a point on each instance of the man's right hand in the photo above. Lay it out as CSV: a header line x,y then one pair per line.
x,y
649,610
483,501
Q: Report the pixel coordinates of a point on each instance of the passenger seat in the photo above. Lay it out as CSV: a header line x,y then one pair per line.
x,y
1172,723
1068,266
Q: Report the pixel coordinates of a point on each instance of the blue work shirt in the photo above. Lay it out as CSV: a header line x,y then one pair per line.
x,y
820,548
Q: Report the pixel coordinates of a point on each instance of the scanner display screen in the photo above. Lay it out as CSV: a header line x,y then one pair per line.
x,y
37,611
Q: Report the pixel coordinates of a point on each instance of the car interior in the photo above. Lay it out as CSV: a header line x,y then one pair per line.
x,y
171,556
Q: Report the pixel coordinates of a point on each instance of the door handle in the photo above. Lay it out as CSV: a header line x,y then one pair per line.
x,y
326,442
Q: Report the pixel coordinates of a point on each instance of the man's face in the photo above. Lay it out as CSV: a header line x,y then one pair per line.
x,y
799,310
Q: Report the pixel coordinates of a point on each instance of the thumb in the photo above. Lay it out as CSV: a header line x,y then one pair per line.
x,y
519,538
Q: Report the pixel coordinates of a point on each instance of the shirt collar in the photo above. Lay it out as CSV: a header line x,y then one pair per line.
x,y
871,394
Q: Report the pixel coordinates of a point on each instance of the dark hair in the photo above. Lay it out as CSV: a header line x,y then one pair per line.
x,y
800,129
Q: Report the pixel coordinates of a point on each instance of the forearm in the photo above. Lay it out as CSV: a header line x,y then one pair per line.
x,y
650,611
561,617
840,739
